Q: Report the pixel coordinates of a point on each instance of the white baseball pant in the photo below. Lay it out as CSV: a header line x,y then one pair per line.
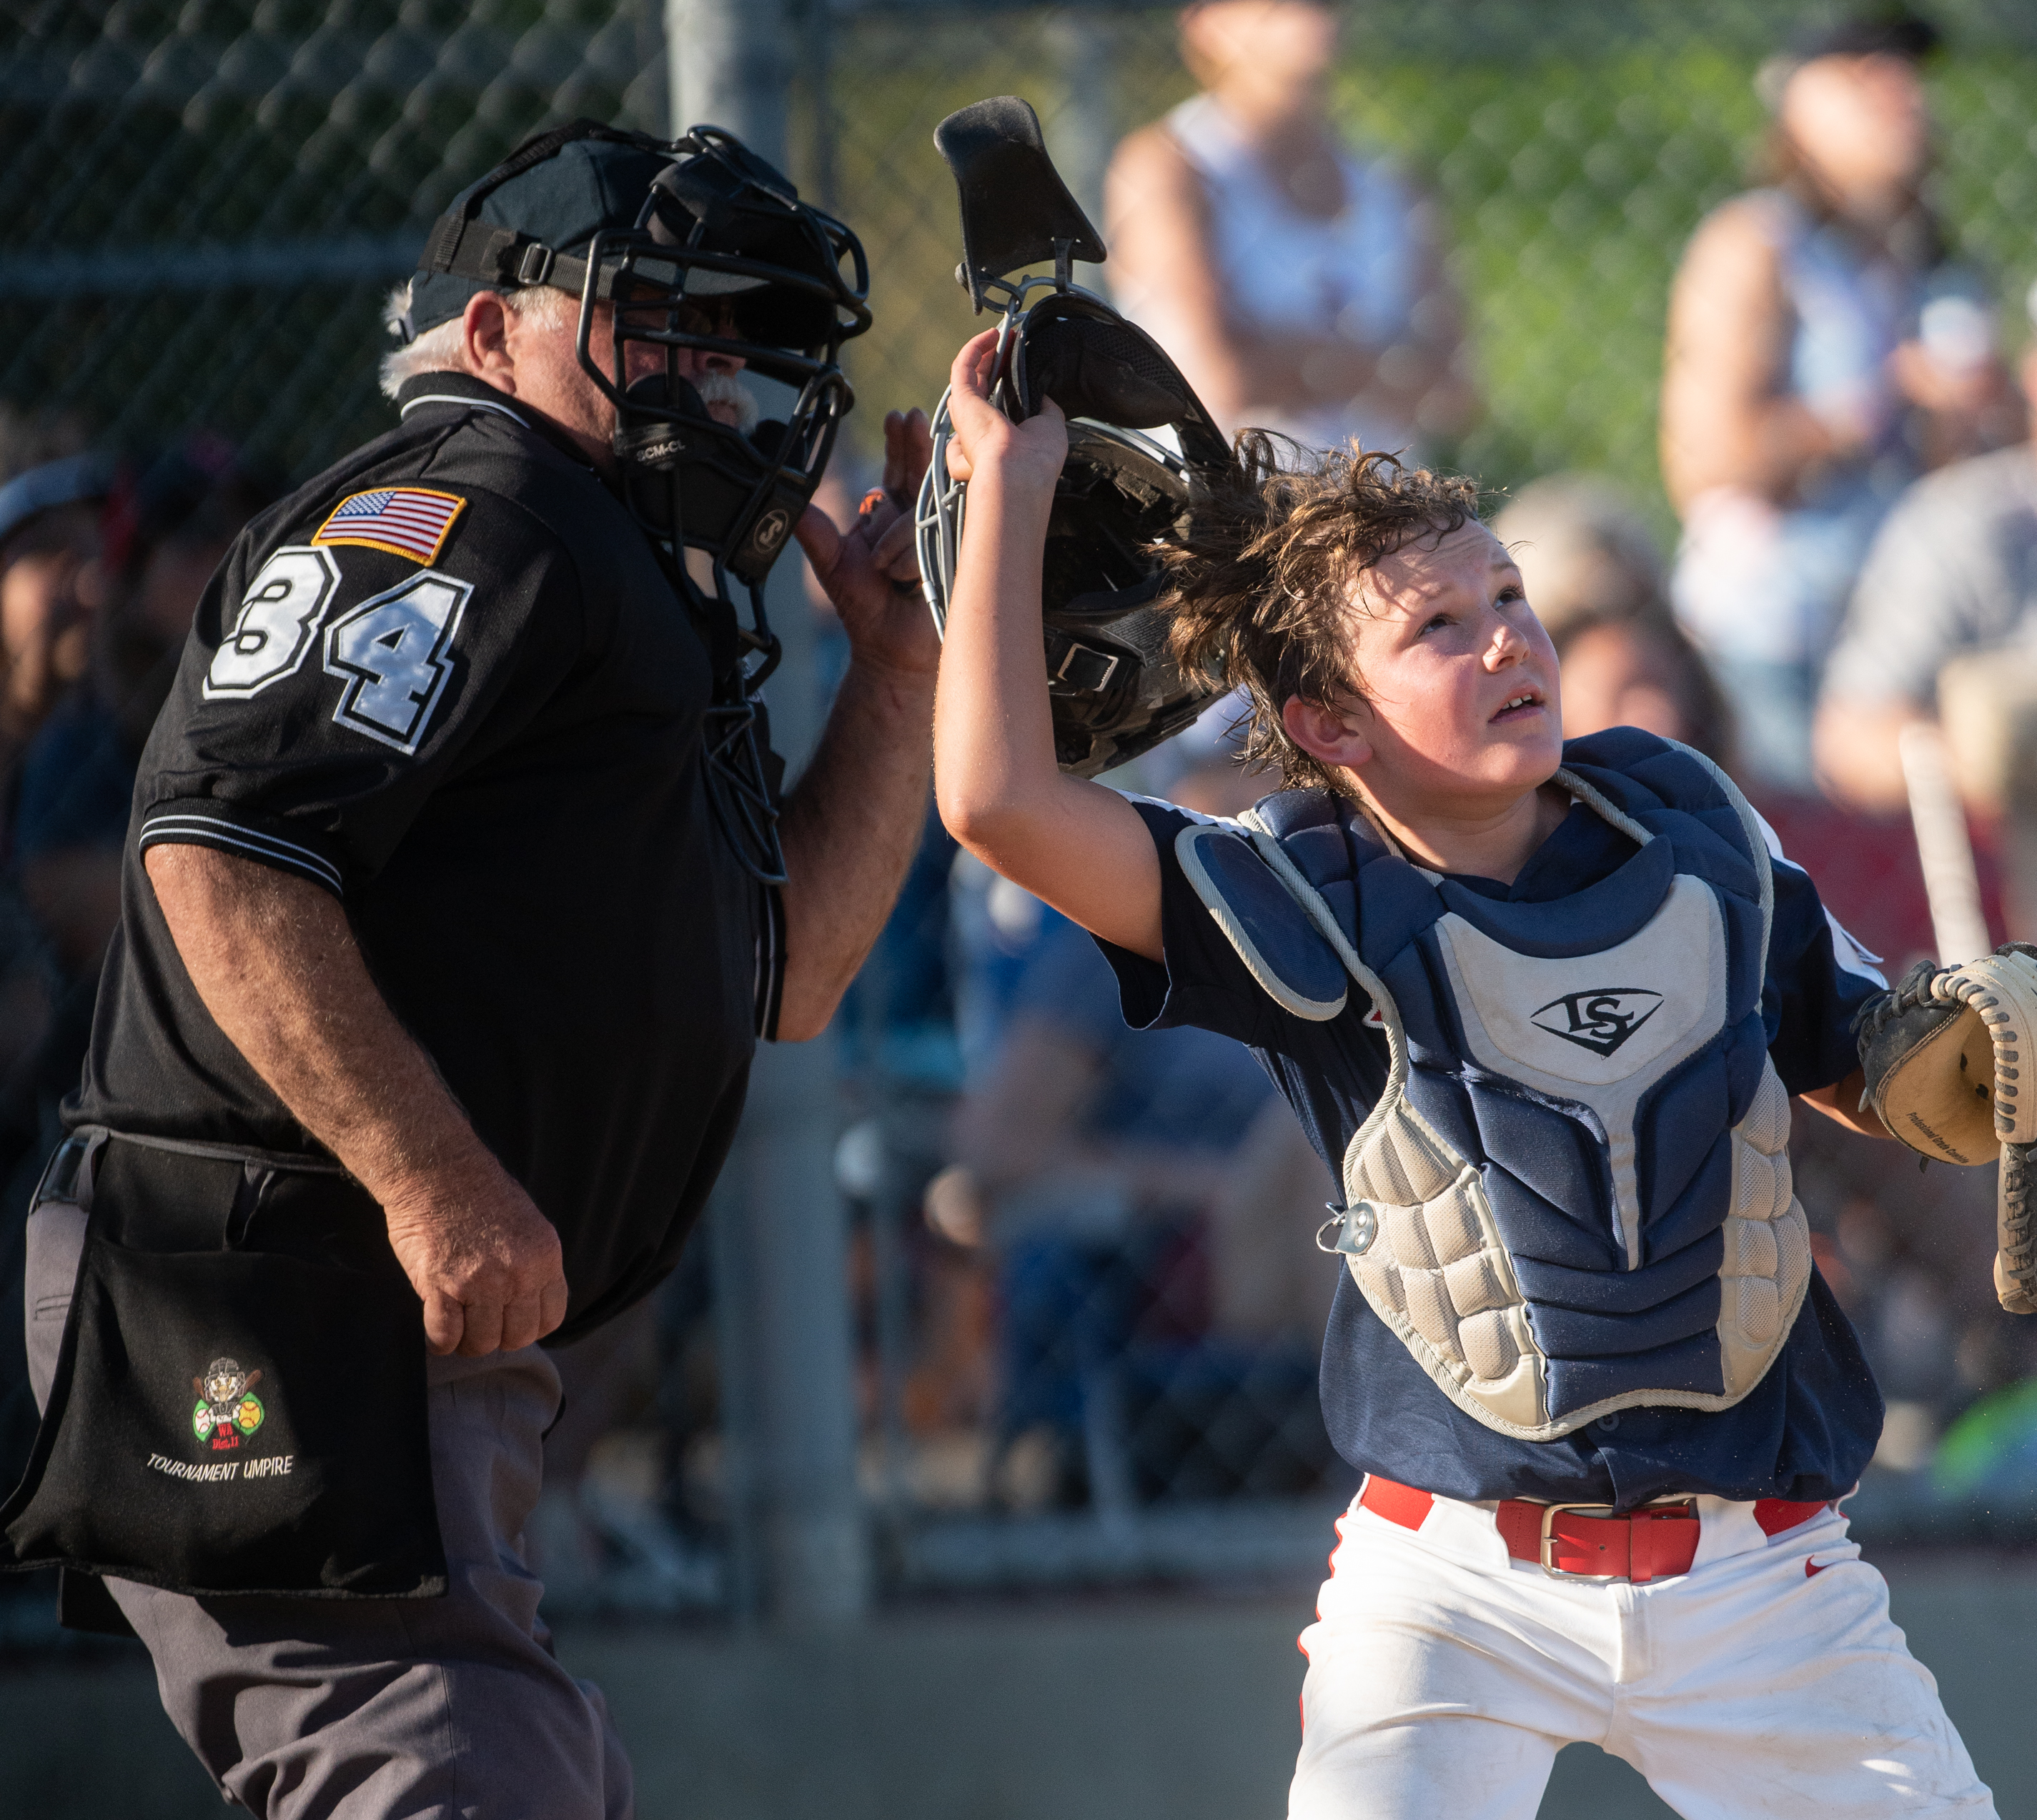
x,y
1443,1676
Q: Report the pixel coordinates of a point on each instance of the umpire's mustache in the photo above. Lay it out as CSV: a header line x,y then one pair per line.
x,y
737,403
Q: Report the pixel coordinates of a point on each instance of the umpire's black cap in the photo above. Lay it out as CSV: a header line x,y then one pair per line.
x,y
586,185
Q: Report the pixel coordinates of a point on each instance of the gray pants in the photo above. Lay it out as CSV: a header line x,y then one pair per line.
x,y
374,1709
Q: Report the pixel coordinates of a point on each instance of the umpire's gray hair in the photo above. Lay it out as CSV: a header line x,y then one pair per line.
x,y
440,349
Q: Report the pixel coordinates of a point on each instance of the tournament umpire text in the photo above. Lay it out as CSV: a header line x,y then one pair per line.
x,y
450,916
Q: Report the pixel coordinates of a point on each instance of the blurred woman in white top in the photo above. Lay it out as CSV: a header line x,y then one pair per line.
x,y
1821,353
1298,284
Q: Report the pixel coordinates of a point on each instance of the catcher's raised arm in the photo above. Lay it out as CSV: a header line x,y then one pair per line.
x,y
1943,1053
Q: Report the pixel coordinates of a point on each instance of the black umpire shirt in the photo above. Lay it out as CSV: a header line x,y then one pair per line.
x,y
448,682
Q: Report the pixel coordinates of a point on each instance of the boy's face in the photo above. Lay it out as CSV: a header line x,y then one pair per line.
x,y
1461,712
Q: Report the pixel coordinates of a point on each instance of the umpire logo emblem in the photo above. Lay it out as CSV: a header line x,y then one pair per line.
x,y
1599,1020
227,1408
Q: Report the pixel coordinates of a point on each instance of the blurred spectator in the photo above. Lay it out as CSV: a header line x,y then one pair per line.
x,y
1584,550
50,576
1089,1154
1821,351
49,550
33,438
164,534
1909,1256
49,542
116,589
1151,1206
895,1027
1299,286
1640,670
1082,1125
1954,571
1268,1281
1596,580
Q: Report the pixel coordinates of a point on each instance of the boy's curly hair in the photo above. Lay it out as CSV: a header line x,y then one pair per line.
x,y
1260,593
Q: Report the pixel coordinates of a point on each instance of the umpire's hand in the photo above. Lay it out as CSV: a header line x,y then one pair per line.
x,y
870,572
274,959
484,1261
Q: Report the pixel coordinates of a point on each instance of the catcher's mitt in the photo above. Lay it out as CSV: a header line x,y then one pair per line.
x,y
1943,1055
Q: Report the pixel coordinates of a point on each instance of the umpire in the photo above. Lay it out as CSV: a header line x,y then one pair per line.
x,y
458,890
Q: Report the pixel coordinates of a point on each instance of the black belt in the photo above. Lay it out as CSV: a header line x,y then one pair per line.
x,y
69,1161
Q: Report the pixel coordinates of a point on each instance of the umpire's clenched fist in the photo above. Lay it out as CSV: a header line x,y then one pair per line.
x,y
484,1261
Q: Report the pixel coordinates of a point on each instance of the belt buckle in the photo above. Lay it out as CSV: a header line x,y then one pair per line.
x,y
1550,1513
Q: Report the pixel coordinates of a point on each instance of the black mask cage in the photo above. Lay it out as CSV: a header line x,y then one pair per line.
x,y
1143,451
722,259
725,261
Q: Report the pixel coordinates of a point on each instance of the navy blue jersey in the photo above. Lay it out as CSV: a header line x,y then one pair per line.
x,y
1804,1433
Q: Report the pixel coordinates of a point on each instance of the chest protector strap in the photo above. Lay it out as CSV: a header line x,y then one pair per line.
x,y
1417,1231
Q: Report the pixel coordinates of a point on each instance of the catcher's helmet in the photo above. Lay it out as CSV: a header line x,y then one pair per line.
x,y
698,245
1142,449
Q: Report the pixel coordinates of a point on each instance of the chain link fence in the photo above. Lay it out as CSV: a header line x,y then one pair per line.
x,y
203,203
201,207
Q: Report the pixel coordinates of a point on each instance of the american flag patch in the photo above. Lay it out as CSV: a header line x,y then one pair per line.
x,y
411,521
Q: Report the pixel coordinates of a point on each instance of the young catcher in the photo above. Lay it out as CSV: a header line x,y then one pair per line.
x,y
1542,1009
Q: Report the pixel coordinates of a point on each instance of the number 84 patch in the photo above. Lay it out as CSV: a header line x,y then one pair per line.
x,y
392,652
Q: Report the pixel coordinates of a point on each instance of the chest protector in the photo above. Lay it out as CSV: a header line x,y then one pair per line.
x,y
1574,1196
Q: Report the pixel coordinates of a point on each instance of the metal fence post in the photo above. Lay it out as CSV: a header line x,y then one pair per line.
x,y
781,1252
730,64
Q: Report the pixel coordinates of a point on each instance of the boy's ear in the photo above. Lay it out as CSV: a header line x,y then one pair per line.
x,y
1332,736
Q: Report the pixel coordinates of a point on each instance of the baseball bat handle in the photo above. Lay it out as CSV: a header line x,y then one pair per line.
x,y
1952,885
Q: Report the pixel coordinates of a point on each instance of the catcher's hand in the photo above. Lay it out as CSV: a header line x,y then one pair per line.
x,y
1943,1055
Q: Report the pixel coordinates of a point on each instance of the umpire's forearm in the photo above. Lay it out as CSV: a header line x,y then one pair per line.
x,y
850,829
275,961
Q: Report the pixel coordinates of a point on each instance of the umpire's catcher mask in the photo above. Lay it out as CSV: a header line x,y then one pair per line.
x,y
700,247
1142,449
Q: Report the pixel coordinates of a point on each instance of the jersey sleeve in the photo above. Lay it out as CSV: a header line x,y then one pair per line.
x,y
1201,981
328,689
1818,977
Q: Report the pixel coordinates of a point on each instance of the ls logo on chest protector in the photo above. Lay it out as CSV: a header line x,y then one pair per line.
x,y
1600,1019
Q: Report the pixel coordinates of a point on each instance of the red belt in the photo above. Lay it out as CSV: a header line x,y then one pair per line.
x,y
1589,1541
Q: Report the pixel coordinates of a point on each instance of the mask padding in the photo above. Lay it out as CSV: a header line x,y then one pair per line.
x,y
1104,370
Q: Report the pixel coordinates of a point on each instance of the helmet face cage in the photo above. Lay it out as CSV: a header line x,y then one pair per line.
x,y
719,227
721,231
693,481
1113,687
